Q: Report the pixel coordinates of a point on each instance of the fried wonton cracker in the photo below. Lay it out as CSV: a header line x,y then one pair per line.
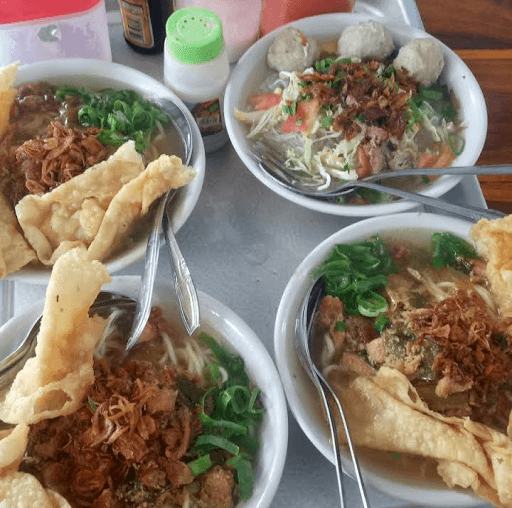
x,y
390,416
7,93
494,242
22,490
15,252
54,382
97,209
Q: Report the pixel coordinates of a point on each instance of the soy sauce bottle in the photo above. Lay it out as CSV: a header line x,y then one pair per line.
x,y
144,24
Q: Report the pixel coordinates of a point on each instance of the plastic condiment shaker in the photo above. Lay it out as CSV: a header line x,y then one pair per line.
x,y
240,22
196,69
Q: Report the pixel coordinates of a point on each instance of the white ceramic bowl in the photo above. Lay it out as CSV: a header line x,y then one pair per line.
x,y
97,74
301,393
234,333
252,67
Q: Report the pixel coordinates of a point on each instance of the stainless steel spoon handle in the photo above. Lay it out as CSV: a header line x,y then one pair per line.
x,y
498,169
183,283
472,212
304,327
326,387
148,277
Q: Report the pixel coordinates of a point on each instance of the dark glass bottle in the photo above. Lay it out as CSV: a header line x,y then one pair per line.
x,y
144,24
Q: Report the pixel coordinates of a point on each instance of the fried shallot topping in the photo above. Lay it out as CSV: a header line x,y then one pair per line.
x,y
127,445
62,154
365,94
475,350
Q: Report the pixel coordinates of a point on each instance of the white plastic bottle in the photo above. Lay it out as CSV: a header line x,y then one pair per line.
x,y
196,69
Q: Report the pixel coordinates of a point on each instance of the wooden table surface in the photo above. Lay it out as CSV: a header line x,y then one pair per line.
x,y
480,32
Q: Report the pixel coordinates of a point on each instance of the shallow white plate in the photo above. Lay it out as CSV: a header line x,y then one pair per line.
x,y
97,74
224,325
252,69
301,394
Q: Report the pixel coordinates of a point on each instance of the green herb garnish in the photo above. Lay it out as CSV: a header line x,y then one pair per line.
x,y
340,326
355,272
448,249
327,122
122,114
381,322
290,109
234,424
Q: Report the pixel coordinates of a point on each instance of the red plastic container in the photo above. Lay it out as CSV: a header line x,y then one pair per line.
x,y
279,12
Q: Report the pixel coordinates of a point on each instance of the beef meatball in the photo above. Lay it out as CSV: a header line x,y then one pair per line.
x,y
292,51
423,59
366,40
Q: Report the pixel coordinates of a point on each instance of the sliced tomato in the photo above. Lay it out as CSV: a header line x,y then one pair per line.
x,y
444,159
304,117
264,101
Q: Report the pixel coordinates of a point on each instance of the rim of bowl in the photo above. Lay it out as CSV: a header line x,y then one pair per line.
x,y
295,380
241,338
237,85
78,70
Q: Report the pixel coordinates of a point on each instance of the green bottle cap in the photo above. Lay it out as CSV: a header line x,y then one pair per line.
x,y
194,35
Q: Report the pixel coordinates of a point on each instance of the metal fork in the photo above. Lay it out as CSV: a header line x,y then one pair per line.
x,y
273,164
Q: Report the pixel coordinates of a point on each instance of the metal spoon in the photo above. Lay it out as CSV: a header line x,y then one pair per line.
x,y
185,290
105,302
303,339
274,167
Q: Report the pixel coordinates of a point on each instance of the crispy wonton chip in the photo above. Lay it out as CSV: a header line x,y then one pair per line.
x,y
390,416
54,382
494,242
97,209
15,252
12,447
22,490
7,93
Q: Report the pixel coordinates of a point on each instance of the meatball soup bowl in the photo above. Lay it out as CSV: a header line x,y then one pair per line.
x,y
381,427
253,76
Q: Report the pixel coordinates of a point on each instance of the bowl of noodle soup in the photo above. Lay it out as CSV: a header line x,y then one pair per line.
x,y
410,477
232,334
251,77
99,75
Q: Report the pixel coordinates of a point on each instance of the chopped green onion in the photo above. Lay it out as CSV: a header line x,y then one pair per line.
x,y
371,304
290,109
92,404
245,475
353,272
388,71
200,465
381,322
324,66
215,441
447,248
340,326
327,121
121,114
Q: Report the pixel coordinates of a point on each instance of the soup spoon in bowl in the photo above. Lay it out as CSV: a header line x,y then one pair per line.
x,y
106,304
183,283
273,164
303,337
